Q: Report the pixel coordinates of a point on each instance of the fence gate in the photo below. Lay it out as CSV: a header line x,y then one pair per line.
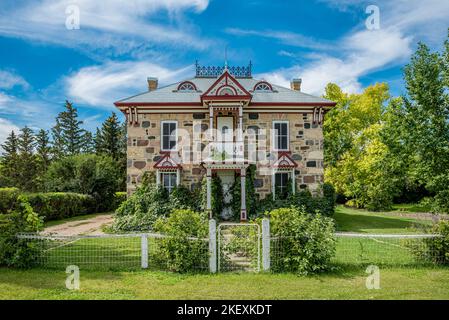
x,y
238,247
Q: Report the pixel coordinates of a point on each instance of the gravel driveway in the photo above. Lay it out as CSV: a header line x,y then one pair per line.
x,y
91,226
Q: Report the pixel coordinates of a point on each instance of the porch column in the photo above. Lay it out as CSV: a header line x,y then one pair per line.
x,y
240,133
273,184
208,197
178,177
158,178
211,123
293,181
243,194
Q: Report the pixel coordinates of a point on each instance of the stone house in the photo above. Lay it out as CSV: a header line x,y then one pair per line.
x,y
218,123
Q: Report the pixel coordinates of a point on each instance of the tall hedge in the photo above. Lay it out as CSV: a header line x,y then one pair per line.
x,y
59,205
8,198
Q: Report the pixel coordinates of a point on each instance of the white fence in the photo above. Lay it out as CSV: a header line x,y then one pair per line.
x,y
252,249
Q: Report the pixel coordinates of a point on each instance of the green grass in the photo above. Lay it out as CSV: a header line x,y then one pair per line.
x,y
411,207
52,223
345,284
354,220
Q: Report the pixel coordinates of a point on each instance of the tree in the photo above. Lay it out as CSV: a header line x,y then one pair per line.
x,y
71,136
26,164
426,120
9,160
43,156
58,147
109,141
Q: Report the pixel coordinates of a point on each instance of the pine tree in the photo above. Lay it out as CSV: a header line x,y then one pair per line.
x,y
43,157
71,133
26,164
88,145
9,160
98,142
110,137
58,147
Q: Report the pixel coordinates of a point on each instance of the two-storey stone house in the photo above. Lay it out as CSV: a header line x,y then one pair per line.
x,y
218,123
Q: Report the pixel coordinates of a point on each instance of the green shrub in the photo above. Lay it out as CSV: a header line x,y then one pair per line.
x,y
178,250
306,242
13,250
323,202
59,205
140,210
98,176
8,198
434,250
119,198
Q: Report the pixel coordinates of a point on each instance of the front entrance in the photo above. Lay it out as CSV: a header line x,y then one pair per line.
x,y
227,180
225,135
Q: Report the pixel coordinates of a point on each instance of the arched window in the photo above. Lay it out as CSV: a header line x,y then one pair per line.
x,y
263,86
186,86
226,91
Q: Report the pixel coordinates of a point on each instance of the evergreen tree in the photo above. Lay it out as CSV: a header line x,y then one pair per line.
x,y
26,165
72,135
43,156
58,147
98,142
88,143
110,137
9,160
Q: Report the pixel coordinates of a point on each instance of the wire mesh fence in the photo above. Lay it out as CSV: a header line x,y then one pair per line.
x,y
115,251
354,249
238,247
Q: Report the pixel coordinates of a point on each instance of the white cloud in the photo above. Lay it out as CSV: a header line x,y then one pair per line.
x,y
364,52
285,37
9,80
6,127
100,86
112,24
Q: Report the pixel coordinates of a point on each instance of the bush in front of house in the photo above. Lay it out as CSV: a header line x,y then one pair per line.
x,y
185,247
61,205
148,203
8,198
434,249
98,176
323,202
305,242
20,218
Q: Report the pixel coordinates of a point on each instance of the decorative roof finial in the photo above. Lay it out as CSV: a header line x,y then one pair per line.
x,y
226,57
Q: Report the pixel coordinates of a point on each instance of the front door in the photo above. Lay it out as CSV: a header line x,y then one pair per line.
x,y
225,136
227,180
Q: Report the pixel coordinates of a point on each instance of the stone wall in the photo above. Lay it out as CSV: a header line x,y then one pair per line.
x,y
306,146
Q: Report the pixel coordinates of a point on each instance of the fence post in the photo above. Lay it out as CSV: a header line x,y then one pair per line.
x,y
265,244
212,246
144,251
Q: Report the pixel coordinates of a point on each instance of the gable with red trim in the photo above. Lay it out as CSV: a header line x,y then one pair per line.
x,y
167,163
285,161
226,88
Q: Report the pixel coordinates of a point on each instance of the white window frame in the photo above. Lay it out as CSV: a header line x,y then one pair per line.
x,y
171,187
162,134
274,137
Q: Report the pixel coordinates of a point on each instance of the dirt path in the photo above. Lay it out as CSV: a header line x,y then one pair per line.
x,y
91,226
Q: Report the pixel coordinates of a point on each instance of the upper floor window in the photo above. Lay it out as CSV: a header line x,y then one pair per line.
x,y
280,135
263,86
169,135
226,91
186,86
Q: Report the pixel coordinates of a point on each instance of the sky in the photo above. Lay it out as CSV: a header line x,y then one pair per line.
x,y
96,52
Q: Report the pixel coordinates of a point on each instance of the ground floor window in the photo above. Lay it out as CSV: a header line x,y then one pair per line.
x,y
281,184
168,180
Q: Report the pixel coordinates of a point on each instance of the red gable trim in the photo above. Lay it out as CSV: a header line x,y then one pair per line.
x,y
226,75
286,154
166,157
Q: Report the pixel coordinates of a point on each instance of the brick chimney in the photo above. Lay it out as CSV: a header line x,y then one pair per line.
x,y
295,84
152,83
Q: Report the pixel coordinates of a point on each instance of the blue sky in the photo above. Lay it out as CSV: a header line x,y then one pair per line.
x,y
121,43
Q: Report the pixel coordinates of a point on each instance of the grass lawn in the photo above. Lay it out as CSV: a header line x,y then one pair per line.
x,y
354,220
397,283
